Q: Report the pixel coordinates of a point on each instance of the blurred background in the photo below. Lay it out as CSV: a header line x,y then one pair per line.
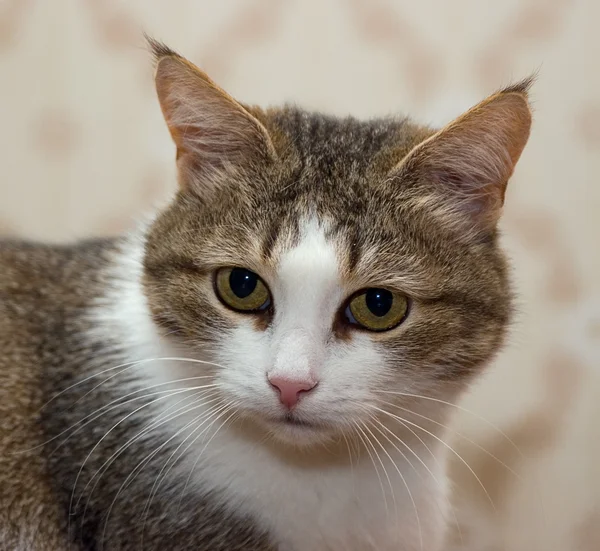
x,y
84,151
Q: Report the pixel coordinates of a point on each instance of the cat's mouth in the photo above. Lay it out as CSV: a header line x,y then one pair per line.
x,y
296,429
289,419
294,421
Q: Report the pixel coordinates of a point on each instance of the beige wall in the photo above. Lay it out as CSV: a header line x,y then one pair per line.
x,y
84,148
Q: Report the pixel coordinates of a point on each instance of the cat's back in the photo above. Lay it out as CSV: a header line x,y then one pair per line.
x,y
41,288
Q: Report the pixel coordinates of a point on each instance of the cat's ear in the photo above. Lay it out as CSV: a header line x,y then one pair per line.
x,y
212,131
466,165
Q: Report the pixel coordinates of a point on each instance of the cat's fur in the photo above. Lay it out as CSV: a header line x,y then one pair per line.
x,y
320,207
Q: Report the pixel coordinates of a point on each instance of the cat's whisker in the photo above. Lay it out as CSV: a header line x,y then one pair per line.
x,y
233,406
408,490
216,414
372,418
199,400
138,468
445,444
231,417
156,422
460,435
110,377
425,466
119,373
479,446
476,445
349,453
127,365
157,481
151,426
363,437
355,444
141,464
366,428
104,410
462,409
109,461
114,404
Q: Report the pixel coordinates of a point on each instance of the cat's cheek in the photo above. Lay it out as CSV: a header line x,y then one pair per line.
x,y
243,357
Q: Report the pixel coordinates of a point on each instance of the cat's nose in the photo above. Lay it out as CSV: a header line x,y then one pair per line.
x,y
290,390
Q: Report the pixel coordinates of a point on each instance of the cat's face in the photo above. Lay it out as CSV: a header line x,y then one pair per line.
x,y
304,245
329,269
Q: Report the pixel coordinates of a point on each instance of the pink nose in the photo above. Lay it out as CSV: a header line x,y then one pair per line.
x,y
290,390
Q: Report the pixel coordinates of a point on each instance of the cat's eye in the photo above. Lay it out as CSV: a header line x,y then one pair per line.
x,y
242,290
377,309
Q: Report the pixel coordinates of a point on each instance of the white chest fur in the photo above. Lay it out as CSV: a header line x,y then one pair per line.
x,y
328,502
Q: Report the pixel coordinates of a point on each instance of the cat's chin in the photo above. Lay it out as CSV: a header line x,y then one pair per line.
x,y
289,429
299,434
296,432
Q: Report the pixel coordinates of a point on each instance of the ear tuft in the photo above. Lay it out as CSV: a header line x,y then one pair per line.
x,y
159,49
522,87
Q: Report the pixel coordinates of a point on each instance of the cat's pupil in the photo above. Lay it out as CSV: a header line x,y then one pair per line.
x,y
242,282
379,301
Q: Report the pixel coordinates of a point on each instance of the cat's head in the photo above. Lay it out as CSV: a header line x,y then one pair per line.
x,y
330,267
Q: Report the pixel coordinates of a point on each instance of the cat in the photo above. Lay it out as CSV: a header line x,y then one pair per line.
x,y
264,365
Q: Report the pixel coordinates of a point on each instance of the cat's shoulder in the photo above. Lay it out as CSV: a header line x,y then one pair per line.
x,y
32,272
30,516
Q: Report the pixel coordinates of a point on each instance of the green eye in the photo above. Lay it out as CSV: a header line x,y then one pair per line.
x,y
377,309
242,290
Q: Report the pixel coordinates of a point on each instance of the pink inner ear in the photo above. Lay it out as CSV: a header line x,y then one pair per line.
x,y
481,203
210,129
470,161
